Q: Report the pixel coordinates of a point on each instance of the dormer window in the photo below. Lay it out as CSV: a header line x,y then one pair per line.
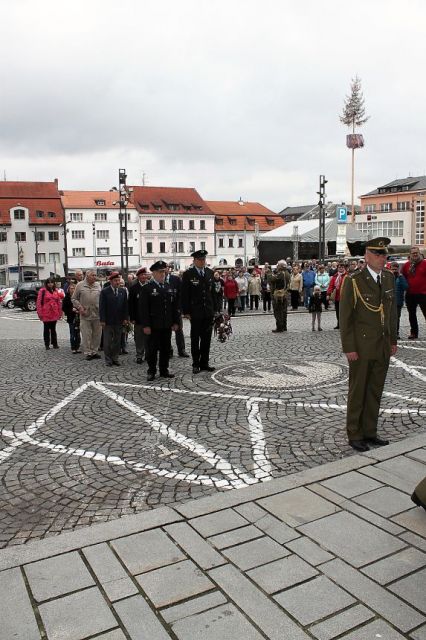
x,y
39,214
270,221
51,214
100,203
232,220
19,214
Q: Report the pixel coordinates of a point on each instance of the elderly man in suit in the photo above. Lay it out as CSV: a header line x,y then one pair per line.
x,y
113,315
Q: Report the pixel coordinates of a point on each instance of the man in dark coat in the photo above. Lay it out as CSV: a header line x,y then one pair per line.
x,y
160,315
135,312
113,314
175,283
368,332
197,305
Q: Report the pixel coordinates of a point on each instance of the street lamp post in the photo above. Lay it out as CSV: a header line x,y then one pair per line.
x,y
37,257
20,254
123,202
321,204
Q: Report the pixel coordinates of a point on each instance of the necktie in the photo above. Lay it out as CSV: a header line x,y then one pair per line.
x,y
378,280
202,273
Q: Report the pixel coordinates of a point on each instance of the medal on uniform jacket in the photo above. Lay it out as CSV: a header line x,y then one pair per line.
x,y
154,292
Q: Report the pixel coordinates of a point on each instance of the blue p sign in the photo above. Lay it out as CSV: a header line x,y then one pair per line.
x,y
342,214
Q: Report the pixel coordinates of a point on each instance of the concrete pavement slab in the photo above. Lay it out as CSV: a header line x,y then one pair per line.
x,y
413,520
195,546
297,506
222,623
139,620
309,551
402,473
396,566
17,619
110,572
341,622
385,501
210,525
412,589
282,574
351,484
146,551
255,553
193,606
376,629
236,536
419,634
57,576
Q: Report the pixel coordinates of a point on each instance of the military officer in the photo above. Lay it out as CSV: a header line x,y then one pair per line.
x,y
368,332
159,315
279,283
135,312
197,305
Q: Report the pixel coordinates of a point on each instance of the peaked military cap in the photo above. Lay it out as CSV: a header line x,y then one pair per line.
x,y
158,266
378,245
201,253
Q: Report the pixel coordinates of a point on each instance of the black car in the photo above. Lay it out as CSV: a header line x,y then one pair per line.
x,y
25,295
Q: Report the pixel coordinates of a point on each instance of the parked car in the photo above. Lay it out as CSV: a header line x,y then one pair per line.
x,y
6,298
25,295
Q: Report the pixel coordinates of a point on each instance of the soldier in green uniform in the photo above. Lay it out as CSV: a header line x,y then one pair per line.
x,y
368,320
279,282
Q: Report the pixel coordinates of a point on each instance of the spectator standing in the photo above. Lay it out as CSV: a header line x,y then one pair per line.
x,y
266,290
296,286
308,276
230,291
315,307
401,286
334,289
241,281
280,282
73,319
113,315
49,310
135,312
254,289
414,271
322,279
86,301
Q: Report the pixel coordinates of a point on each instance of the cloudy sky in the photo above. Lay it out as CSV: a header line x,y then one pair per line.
x,y
233,97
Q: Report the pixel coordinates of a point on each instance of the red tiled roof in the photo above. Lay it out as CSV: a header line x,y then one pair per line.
x,y
34,196
87,200
233,216
232,208
29,190
183,197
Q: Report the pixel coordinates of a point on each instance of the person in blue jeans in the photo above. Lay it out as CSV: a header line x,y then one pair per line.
x,y
308,276
401,286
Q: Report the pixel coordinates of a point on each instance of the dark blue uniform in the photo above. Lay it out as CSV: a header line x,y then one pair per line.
x,y
197,301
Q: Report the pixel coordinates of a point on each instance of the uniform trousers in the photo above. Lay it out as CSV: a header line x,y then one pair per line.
x,y
140,340
91,332
201,335
280,312
112,342
158,342
366,383
180,338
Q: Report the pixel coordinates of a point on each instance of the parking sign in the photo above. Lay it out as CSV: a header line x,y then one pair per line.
x,y
342,214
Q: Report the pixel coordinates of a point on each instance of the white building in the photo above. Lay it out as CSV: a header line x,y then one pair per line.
x,y
93,231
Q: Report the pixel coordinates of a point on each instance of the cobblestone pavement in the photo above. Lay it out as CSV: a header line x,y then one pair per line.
x,y
81,443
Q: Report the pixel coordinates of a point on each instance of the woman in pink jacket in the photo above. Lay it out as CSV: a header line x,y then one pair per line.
x,y
49,310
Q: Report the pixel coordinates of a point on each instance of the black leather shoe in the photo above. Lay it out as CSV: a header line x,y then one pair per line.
x,y
277,330
108,364
96,356
89,357
124,352
359,445
167,374
415,498
183,354
150,377
139,360
380,442
116,363
196,370
208,368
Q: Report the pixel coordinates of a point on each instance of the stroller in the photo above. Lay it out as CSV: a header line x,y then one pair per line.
x,y
222,326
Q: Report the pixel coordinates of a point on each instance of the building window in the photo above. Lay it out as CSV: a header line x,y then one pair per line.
x,y
102,251
174,225
54,257
39,214
385,207
39,236
221,243
370,208
191,247
420,221
148,225
162,247
403,206
19,214
149,247
230,243
3,258
240,243
53,236
180,247
203,246
51,214
102,234
78,252
100,217
41,258
162,225
3,236
77,235
100,203
20,236
173,207
391,228
129,234
192,226
202,225
180,225
76,217
129,251
157,207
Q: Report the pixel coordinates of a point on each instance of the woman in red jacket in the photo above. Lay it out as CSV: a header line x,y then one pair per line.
x,y
49,310
231,292
336,286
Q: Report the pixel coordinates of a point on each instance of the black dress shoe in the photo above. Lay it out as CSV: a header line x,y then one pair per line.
x,y
196,370
208,368
108,364
150,377
95,356
167,374
380,442
183,354
415,498
124,352
139,360
359,445
116,363
89,357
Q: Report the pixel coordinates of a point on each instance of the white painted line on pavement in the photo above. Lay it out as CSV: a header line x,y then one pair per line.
x,y
258,443
404,346
408,398
408,368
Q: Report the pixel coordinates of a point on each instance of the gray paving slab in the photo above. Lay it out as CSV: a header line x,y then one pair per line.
x,y
236,536
57,576
147,551
313,600
412,589
376,629
342,622
272,526
413,520
222,623
396,566
395,449
282,573
255,553
218,522
275,624
414,540
384,603
402,473
77,616
173,583
351,484
363,543
116,634
419,634
195,605
17,618
298,506
418,454
194,545
110,572
139,620
386,501
309,551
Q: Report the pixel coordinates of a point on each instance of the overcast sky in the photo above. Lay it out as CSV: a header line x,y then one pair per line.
x,y
233,97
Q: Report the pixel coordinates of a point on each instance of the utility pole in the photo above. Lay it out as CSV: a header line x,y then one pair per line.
x,y
124,201
321,204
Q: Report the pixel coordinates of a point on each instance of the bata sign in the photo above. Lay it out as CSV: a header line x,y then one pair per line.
x,y
109,263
